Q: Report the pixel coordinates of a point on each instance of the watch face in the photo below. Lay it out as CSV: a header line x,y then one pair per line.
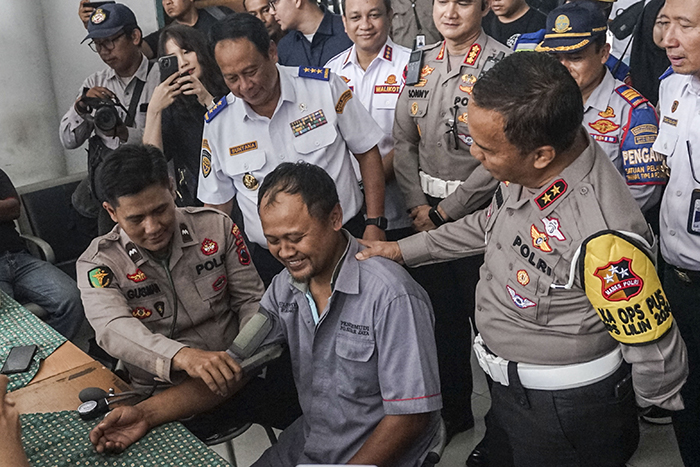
x,y
87,407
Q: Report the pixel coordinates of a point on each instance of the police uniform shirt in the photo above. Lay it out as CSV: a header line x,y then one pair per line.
x,y
530,238
679,141
75,129
130,301
317,121
625,125
378,89
371,354
425,115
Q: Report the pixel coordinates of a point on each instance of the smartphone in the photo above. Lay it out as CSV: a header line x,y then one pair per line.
x,y
168,66
19,359
96,4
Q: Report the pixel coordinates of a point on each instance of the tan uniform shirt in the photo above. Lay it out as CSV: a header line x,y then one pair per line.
x,y
130,297
530,238
425,113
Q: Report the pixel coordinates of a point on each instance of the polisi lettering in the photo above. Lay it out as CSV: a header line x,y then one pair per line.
x,y
530,256
418,93
211,264
463,101
144,291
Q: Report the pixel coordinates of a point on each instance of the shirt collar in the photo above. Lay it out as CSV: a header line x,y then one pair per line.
x,y
346,275
287,93
386,54
141,71
472,57
326,26
600,97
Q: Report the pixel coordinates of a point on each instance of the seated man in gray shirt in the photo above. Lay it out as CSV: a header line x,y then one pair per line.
x,y
360,337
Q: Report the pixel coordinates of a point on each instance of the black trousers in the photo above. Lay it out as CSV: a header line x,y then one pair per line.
x,y
594,425
684,298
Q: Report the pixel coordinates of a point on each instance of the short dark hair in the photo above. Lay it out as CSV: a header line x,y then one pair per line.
x,y
129,32
191,39
128,170
240,26
315,186
540,102
387,6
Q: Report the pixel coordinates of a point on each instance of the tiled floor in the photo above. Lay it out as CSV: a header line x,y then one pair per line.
x,y
658,446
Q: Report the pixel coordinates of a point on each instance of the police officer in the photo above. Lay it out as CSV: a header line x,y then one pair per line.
x,y
679,141
568,289
619,118
168,290
276,114
441,180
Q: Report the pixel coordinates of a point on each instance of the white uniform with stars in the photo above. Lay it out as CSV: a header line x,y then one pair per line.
x,y
317,120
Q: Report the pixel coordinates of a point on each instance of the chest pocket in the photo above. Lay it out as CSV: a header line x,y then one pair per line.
x,y
356,371
385,101
418,107
316,139
666,142
247,162
212,286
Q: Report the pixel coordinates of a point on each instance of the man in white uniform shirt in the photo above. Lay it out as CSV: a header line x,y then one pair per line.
x,y
373,69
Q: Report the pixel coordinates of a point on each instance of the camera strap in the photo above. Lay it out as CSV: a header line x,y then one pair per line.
x,y
138,89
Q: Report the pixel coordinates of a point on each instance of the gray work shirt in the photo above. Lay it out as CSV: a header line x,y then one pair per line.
x,y
519,315
372,354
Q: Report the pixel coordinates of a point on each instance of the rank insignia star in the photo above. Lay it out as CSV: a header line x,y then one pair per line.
x,y
551,194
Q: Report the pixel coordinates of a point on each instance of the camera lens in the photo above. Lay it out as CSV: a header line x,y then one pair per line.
x,y
106,118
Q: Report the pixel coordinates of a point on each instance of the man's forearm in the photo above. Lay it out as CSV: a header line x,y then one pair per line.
x,y
392,437
373,181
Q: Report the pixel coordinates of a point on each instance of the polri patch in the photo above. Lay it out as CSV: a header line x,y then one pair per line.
x,y
138,276
141,312
322,74
209,247
241,148
619,282
523,277
100,277
551,194
344,98
214,111
308,123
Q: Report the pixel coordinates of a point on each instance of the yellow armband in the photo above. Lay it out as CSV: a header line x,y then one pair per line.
x,y
621,283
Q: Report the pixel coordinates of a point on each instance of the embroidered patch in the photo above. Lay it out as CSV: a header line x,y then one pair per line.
x,y
421,82
311,122
99,16
243,255
322,74
466,139
141,313
133,252
605,139
346,79
205,144
441,54
387,52
138,276
426,70
631,95
670,121
219,283
100,277
344,98
551,194
604,126
384,89
473,54
463,118
160,308
468,83
523,277
539,240
519,300
206,163
645,128
185,233
562,24
414,108
674,107
209,247
551,228
607,113
241,148
619,282
238,235
391,79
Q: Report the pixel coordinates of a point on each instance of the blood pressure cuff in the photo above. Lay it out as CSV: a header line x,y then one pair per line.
x,y
621,283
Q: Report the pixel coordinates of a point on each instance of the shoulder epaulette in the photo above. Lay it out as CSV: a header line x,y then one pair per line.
x,y
631,95
667,73
618,68
221,105
529,40
323,74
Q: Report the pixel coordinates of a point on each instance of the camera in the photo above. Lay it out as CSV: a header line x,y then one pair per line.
x,y
103,112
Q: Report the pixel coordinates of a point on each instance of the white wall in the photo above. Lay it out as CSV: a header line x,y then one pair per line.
x,y
43,67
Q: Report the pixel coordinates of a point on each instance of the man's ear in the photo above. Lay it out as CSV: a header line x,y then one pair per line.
x,y
544,155
272,52
111,211
172,188
336,217
136,36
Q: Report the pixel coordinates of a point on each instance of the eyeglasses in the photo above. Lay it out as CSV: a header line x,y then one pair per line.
x,y
107,44
273,4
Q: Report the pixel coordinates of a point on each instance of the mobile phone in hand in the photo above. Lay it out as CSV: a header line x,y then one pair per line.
x,y
168,66
19,359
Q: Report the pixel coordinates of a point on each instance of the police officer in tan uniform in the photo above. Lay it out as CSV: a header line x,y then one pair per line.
x,y
440,180
572,317
168,289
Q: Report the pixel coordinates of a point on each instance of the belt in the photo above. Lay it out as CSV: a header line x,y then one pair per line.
x,y
548,377
436,187
687,276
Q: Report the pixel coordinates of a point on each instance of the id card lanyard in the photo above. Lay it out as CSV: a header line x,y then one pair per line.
x,y
694,211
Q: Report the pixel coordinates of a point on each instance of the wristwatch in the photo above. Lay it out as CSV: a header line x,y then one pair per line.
x,y
380,222
435,217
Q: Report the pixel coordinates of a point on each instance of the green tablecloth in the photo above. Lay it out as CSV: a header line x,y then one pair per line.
x,y
18,326
61,438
